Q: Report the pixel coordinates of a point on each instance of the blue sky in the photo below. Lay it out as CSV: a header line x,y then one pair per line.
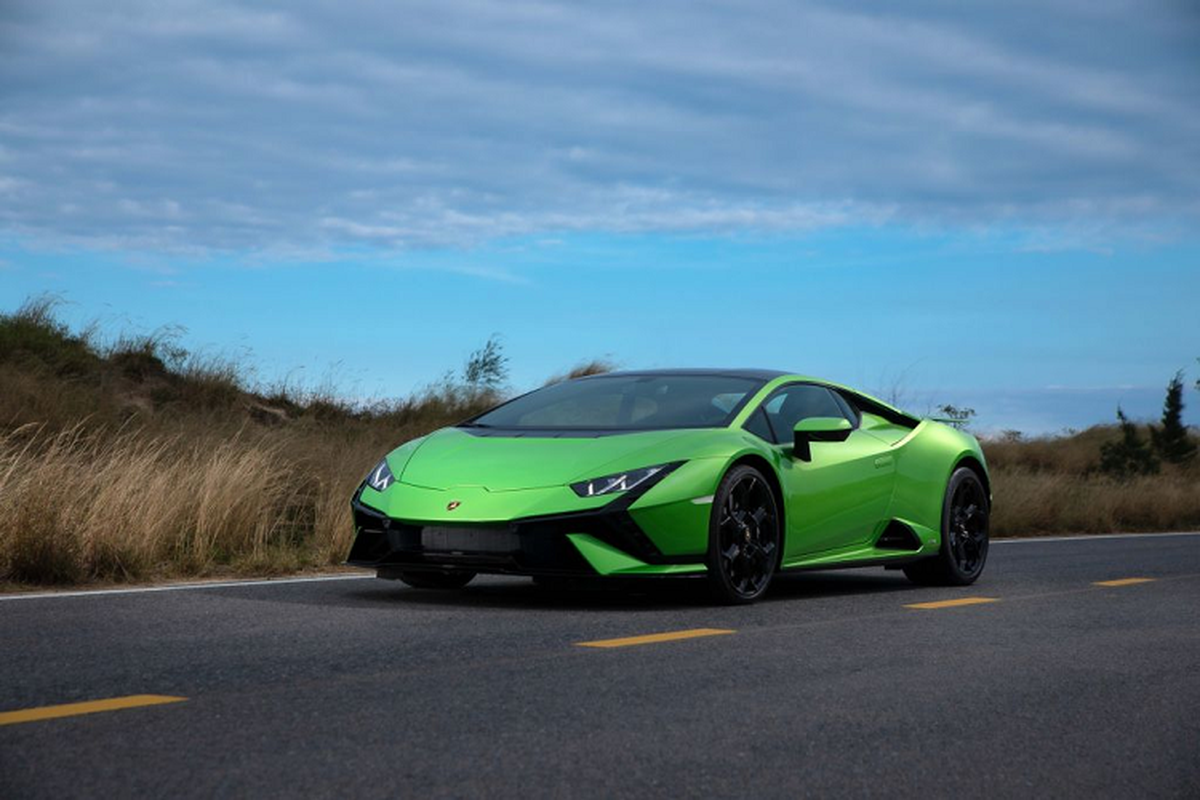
x,y
996,206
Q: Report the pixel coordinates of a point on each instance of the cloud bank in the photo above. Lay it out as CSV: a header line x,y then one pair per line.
x,y
301,126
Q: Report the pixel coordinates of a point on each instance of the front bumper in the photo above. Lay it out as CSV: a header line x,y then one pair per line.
x,y
603,541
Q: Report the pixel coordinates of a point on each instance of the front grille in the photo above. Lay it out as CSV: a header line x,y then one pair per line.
x,y
489,539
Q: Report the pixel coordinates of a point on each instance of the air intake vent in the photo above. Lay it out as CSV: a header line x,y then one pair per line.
x,y
898,536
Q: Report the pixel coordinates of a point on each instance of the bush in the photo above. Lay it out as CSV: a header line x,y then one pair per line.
x,y
33,338
1171,441
1129,457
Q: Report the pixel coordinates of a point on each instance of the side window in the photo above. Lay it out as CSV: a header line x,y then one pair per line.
x,y
758,425
852,413
800,401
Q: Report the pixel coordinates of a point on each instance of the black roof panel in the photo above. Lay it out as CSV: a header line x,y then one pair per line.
x,y
756,374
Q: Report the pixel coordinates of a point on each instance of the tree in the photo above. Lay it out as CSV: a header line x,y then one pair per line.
x,y
1129,457
487,368
1171,441
957,416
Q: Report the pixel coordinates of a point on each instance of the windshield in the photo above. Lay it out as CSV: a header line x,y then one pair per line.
x,y
625,402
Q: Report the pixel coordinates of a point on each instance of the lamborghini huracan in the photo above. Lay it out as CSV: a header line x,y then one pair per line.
x,y
730,475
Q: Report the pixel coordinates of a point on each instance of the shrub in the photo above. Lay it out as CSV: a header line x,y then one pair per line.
x,y
1171,441
1129,457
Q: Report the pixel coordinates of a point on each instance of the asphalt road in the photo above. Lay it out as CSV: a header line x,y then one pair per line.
x,y
833,686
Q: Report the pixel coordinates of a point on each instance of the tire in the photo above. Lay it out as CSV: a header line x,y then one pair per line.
x,y
963,552
744,537
455,579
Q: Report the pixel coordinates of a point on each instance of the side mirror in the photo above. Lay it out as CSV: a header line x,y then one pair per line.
x,y
818,429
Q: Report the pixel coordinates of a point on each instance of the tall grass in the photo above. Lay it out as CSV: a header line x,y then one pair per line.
x,y
1053,485
78,506
196,497
1032,503
135,459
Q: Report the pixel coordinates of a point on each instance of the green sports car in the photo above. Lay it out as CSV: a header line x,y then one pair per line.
x,y
733,475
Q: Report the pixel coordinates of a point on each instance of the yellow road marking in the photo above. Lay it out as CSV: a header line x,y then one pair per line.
x,y
90,707
652,638
1125,582
962,601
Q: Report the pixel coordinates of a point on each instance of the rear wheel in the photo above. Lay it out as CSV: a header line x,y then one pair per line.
x,y
451,579
964,535
744,536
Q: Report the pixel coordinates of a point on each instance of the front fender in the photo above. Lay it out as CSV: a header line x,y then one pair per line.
x,y
675,513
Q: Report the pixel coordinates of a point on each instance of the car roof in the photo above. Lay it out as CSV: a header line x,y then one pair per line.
x,y
756,374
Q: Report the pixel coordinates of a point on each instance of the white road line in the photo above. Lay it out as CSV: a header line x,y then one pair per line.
x,y
179,587
1093,537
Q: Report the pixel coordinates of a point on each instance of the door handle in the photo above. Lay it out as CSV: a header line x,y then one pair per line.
x,y
883,461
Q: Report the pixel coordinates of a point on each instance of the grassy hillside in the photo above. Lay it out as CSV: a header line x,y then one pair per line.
x,y
1054,485
134,459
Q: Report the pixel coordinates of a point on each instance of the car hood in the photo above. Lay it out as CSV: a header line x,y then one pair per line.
x,y
452,457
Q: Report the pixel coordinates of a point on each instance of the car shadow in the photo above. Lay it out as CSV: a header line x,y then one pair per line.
x,y
611,595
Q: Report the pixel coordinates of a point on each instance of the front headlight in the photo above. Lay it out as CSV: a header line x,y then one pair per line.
x,y
381,477
620,482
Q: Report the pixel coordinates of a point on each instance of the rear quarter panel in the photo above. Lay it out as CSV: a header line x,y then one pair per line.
x,y
924,461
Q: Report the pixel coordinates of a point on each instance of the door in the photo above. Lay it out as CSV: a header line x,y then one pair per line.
x,y
837,499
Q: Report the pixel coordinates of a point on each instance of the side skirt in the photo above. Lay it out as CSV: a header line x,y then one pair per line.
x,y
899,542
890,562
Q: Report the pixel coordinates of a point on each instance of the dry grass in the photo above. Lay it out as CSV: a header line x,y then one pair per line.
x,y
138,461
1076,454
79,506
197,498
1052,485
1029,503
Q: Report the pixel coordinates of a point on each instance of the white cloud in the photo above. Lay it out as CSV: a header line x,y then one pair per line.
x,y
194,126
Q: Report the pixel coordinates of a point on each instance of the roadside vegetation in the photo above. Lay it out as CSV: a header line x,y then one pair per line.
x,y
134,459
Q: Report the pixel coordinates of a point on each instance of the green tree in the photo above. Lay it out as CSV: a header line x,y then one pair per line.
x,y
1129,457
1171,441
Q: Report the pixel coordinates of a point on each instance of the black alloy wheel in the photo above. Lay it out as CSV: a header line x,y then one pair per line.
x,y
964,547
744,536
969,527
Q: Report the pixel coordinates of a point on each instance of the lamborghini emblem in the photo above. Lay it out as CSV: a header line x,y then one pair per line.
x,y
453,504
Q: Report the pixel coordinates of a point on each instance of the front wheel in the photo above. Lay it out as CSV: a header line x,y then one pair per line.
x,y
744,537
451,579
964,548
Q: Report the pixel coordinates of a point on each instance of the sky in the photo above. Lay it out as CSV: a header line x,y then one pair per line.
x,y
990,205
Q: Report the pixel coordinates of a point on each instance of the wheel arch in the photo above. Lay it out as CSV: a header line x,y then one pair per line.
x,y
971,462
